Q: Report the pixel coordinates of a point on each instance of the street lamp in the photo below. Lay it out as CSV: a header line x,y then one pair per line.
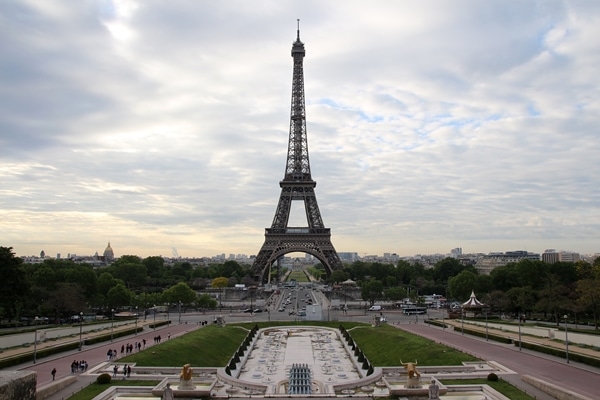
x,y
486,326
179,312
35,341
136,318
80,329
443,323
520,332
566,337
462,321
154,317
112,323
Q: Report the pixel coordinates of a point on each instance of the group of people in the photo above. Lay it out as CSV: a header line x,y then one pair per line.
x,y
128,348
77,366
126,371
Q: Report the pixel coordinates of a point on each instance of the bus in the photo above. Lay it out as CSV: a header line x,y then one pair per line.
x,y
414,310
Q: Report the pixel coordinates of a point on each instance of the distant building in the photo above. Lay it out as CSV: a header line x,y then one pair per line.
x,y
568,256
455,253
347,256
109,254
487,263
550,256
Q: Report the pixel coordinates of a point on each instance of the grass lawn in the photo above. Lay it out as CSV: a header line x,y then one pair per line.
x,y
386,346
501,386
95,389
299,276
213,346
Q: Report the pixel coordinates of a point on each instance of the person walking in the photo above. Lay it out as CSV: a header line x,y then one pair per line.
x,y
53,373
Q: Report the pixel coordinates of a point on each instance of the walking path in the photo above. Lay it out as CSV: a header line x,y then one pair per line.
x,y
93,355
529,335
578,378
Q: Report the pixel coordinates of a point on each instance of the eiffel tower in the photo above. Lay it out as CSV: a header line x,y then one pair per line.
x,y
297,185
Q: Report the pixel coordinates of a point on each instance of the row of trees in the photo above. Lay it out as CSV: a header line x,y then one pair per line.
x,y
516,288
59,288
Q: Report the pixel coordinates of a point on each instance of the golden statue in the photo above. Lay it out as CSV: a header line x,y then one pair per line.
x,y
186,372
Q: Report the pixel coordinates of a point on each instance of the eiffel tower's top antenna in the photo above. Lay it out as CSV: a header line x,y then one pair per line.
x,y
298,38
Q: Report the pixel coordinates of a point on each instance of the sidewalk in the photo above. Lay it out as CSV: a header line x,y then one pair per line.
x,y
31,348
574,348
95,355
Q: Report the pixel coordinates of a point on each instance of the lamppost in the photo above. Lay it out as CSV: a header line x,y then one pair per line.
x,y
486,326
520,332
80,329
462,321
35,341
154,325
136,318
112,323
179,304
566,337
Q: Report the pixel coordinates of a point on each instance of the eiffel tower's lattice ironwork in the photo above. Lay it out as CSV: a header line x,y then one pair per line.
x,y
297,185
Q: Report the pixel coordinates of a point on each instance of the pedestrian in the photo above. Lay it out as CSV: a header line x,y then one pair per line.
x,y
124,371
53,373
128,371
109,355
115,370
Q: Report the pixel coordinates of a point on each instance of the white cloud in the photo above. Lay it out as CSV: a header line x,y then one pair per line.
x,y
431,125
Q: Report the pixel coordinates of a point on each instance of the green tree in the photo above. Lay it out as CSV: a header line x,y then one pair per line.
x,y
179,293
447,268
13,285
522,299
119,297
155,266
66,300
106,282
134,275
588,291
395,293
206,302
463,284
372,291
338,276
554,297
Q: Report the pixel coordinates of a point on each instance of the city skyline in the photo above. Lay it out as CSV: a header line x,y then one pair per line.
x,y
431,126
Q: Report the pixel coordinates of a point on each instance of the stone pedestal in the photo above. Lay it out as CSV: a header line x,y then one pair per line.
x,y
413,383
17,385
186,384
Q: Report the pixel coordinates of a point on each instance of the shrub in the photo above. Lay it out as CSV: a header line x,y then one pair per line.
x,y
103,379
492,377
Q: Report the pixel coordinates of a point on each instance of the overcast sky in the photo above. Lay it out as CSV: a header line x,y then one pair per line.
x,y
161,125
